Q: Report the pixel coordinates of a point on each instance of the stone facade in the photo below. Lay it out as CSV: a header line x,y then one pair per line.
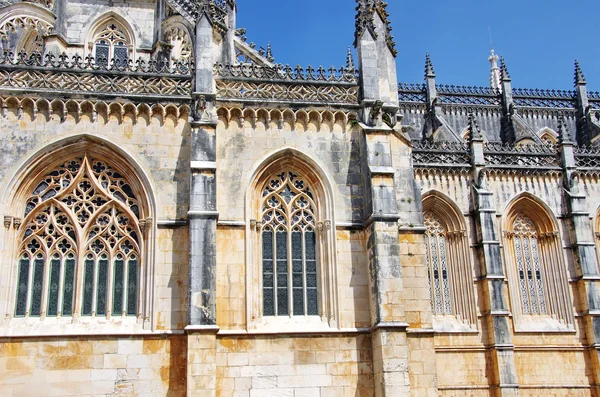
x,y
183,216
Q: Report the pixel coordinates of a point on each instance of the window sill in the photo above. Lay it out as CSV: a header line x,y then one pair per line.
x,y
540,324
285,324
71,326
450,324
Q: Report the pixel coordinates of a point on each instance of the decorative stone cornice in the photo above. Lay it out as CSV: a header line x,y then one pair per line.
x,y
365,20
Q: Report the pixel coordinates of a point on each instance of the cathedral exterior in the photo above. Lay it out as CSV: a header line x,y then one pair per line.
x,y
185,217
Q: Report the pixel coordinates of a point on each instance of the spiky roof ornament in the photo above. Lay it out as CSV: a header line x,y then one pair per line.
x,y
365,20
429,72
579,77
504,75
475,134
214,10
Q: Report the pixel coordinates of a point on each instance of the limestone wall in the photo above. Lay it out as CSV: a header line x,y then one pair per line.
x,y
100,366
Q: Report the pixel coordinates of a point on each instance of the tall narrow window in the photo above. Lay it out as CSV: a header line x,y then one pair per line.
x,y
449,268
289,260
81,228
438,265
528,266
537,275
111,44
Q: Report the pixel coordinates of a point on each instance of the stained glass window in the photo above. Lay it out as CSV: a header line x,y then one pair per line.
x,y
529,272
111,44
437,265
81,226
289,260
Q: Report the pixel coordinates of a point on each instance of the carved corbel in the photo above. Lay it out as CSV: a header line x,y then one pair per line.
x,y
8,221
17,223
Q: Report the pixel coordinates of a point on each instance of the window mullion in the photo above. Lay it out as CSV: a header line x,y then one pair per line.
x,y
304,288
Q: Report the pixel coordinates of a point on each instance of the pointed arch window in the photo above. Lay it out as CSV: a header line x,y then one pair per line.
x,y
536,271
112,44
291,263
289,247
81,244
448,265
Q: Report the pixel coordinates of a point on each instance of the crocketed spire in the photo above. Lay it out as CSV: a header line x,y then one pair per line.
x,y
579,77
350,60
365,20
564,135
475,134
504,75
494,70
429,72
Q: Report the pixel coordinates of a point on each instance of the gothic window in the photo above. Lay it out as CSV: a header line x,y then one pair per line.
x,y
181,45
438,265
80,246
528,266
111,44
448,264
289,247
537,276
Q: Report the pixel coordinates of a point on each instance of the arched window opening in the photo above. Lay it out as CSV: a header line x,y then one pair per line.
x,y
537,275
289,257
448,264
112,44
437,265
181,44
81,244
528,266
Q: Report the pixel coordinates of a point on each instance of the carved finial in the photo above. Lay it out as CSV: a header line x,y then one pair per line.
x,y
365,20
504,75
350,60
579,77
494,70
429,72
564,135
269,53
474,131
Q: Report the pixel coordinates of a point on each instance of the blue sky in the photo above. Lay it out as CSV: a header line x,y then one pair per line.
x,y
539,39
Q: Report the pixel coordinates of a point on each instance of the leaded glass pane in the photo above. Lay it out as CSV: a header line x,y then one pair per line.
x,y
312,304
38,287
68,287
102,53
132,287
268,276
282,273
54,287
102,288
22,287
119,275
297,274
88,287
120,55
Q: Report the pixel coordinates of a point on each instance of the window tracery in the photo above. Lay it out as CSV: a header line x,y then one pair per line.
x,y
289,257
537,277
81,244
181,45
438,265
111,44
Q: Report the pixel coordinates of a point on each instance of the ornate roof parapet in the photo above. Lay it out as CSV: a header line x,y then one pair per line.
x,y
285,73
365,20
63,75
246,82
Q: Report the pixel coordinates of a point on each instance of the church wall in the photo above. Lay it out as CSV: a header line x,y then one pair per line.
x,y
81,14
161,148
93,366
313,365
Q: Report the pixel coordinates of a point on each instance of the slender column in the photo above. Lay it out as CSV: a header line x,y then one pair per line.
x,y
202,329
583,249
493,279
389,339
